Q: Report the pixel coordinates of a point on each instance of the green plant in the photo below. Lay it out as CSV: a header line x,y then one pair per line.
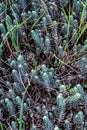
x,y
43,67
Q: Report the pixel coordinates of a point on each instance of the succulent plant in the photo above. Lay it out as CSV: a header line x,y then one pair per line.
x,y
61,107
46,78
47,123
50,94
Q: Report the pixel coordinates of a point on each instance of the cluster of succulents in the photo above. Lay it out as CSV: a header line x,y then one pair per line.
x,y
46,77
69,109
45,27
11,96
51,92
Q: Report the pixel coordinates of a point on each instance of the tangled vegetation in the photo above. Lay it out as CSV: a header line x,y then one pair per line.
x,y
43,65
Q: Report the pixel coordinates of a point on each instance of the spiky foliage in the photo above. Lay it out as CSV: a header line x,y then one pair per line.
x,y
46,90
46,77
17,97
61,107
47,123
